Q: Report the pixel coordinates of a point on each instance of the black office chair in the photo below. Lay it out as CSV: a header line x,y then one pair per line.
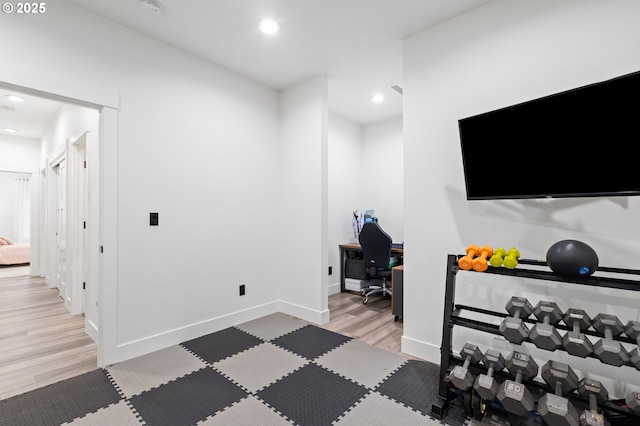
x,y
376,249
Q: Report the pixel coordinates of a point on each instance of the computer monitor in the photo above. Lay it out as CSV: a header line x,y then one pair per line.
x,y
360,217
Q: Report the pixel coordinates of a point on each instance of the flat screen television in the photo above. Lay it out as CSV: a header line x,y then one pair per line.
x,y
577,143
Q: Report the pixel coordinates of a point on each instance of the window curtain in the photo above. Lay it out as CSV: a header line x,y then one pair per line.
x,y
22,213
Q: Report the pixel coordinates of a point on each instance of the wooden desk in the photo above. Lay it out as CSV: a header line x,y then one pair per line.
x,y
355,248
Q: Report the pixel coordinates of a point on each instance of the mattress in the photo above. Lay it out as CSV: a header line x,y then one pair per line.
x,y
15,254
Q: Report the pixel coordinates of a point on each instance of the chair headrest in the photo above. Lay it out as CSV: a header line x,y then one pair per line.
x,y
376,245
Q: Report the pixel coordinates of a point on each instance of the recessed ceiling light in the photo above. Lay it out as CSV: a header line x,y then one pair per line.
x,y
269,26
8,130
377,98
150,6
15,98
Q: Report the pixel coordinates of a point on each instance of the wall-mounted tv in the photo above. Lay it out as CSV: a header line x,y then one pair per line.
x,y
577,143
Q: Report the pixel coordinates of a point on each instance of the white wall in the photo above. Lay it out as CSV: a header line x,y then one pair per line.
x,y
8,202
196,143
365,172
302,203
500,54
69,123
383,174
19,154
345,187
18,158
64,129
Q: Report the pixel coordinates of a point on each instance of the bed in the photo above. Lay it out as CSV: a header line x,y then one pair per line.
x,y
14,253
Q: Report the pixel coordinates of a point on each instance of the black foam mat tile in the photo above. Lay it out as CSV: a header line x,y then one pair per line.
x,y
415,385
187,400
60,402
311,341
222,344
312,396
307,396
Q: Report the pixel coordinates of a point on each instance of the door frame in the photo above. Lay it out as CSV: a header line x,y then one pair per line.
x,y
105,267
76,197
53,190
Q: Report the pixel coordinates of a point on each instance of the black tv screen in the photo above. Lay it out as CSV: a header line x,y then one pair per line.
x,y
578,143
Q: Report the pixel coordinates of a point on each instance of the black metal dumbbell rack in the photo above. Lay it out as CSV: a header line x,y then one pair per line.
x,y
453,316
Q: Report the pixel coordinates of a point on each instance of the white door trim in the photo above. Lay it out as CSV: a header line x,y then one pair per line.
x,y
106,101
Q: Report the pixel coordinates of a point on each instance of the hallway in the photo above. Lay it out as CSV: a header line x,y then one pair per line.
x,y
42,343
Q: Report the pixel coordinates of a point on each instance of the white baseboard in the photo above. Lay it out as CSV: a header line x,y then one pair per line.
x,y
314,316
333,288
92,330
420,349
160,341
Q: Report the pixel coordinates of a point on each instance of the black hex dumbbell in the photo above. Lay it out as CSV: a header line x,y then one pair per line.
x,y
544,334
576,342
513,394
513,328
633,331
460,376
633,402
485,384
554,408
608,350
596,393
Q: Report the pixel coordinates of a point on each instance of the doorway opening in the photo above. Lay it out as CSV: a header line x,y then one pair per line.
x,y
66,221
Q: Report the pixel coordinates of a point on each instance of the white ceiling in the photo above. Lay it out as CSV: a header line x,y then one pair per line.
x,y
30,117
357,44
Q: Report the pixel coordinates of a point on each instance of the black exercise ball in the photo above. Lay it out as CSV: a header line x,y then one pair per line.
x,y
572,258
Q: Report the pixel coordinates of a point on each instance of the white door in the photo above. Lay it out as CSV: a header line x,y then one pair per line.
x,y
61,230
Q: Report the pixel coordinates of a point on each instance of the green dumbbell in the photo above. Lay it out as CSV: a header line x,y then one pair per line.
x,y
498,257
511,259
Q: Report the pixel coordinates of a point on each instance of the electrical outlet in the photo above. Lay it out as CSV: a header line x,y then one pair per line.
x,y
242,290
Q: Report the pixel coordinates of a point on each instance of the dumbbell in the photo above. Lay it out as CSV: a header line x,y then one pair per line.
x,y
466,262
608,350
513,394
555,409
485,385
513,328
480,263
596,393
633,331
576,342
633,402
511,259
460,376
498,257
544,334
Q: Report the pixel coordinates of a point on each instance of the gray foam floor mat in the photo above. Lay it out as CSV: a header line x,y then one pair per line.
x,y
248,374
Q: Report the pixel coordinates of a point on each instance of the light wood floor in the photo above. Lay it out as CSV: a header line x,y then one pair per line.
x,y
371,323
42,343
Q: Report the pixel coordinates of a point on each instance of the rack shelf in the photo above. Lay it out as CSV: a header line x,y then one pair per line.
x,y
453,316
